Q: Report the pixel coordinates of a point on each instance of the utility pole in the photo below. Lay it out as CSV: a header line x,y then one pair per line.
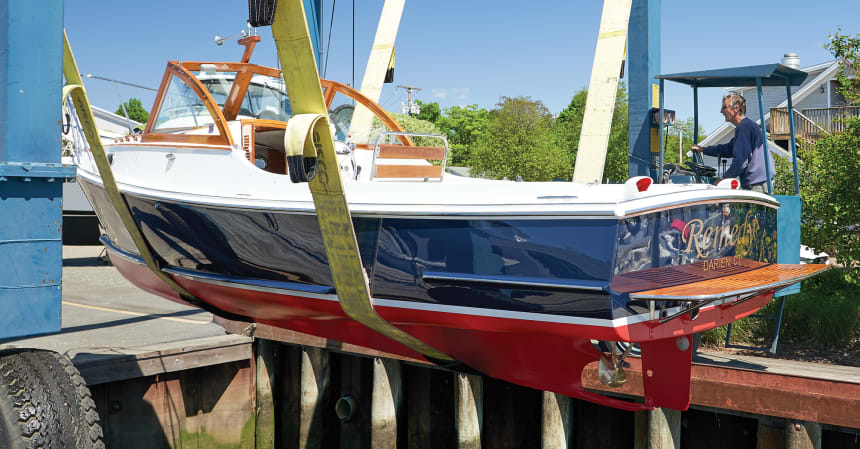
x,y
411,109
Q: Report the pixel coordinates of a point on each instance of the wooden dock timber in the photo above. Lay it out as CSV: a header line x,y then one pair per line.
x,y
796,391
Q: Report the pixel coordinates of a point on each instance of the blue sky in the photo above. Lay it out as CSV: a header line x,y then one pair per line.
x,y
460,52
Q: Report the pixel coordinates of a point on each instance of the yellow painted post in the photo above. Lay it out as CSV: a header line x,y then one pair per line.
x,y
377,65
602,88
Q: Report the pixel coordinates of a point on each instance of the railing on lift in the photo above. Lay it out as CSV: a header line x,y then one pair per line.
x,y
425,172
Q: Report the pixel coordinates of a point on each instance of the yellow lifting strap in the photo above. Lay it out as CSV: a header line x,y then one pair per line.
x,y
75,88
308,135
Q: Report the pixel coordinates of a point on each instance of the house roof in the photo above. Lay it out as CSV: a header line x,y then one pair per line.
x,y
806,89
769,74
809,69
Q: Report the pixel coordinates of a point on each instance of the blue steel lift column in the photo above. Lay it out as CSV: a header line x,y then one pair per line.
x,y
31,176
643,60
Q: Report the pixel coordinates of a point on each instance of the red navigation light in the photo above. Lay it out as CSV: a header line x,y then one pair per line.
x,y
643,184
735,184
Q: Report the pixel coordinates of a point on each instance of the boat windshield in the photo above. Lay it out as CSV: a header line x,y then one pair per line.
x,y
181,110
265,98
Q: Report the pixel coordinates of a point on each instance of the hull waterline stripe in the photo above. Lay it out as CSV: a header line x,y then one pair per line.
x,y
306,292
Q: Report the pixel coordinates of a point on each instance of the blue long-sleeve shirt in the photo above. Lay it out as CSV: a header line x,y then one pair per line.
x,y
747,153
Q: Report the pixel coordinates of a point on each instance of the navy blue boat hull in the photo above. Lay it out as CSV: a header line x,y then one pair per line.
x,y
519,299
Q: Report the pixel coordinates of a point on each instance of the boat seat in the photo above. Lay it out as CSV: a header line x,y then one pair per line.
x,y
396,158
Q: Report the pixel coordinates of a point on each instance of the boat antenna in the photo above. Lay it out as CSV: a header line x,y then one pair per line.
x,y
353,44
220,40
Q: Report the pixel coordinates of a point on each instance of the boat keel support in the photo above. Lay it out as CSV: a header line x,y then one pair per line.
x,y
666,365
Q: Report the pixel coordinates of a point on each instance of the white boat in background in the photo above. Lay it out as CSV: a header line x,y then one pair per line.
x,y
80,223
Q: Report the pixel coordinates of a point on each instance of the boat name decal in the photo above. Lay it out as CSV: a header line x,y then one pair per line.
x,y
723,262
703,239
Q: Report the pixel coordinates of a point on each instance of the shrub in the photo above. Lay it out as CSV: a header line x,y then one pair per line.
x,y
827,311
518,143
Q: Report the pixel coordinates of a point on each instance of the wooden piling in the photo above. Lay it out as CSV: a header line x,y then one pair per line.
x,y
266,361
313,385
802,435
468,409
386,403
555,421
770,435
659,428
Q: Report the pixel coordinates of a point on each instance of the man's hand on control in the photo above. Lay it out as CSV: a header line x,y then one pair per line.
x,y
697,148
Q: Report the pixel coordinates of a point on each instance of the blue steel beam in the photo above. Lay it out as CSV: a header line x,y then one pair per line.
x,y
313,12
30,171
643,57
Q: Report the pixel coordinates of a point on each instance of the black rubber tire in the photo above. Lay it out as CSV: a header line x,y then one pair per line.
x,y
44,403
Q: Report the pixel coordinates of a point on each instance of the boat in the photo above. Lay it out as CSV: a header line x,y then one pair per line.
x,y
514,280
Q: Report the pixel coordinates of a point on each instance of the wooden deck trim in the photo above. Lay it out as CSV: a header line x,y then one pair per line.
x,y
770,277
165,139
408,171
404,152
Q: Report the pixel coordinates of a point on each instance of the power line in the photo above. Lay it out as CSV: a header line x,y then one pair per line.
x,y
328,44
411,109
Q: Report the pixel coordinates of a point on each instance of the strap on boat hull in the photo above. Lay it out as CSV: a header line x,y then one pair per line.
x,y
75,88
308,138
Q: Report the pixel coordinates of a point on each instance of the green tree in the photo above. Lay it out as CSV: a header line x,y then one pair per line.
x,y
847,50
518,142
568,126
417,125
135,110
411,125
685,127
830,188
463,126
428,111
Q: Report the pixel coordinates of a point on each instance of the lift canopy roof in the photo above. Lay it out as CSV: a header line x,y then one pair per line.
x,y
770,74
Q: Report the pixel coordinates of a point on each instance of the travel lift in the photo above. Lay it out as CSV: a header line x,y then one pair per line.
x,y
34,382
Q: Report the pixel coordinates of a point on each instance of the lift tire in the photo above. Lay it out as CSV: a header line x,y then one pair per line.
x,y
44,403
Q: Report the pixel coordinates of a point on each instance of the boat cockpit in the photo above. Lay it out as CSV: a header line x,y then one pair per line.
x,y
230,105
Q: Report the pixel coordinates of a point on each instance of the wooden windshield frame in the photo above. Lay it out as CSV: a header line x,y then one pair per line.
x,y
176,69
244,72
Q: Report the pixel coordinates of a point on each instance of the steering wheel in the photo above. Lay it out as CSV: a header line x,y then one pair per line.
x,y
700,169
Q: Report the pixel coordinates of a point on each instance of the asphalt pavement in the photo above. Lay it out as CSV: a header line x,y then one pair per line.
x,y
103,312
